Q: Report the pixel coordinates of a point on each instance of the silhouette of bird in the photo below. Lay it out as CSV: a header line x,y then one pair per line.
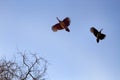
x,y
97,34
62,25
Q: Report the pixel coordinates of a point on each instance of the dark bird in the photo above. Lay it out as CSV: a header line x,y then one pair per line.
x,y
97,34
62,25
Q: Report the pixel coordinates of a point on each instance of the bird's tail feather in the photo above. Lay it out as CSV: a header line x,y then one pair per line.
x,y
67,29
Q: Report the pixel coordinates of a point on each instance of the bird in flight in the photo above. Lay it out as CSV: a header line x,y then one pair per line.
x,y
62,24
97,34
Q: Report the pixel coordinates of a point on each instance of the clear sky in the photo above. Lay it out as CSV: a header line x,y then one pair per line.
x,y
75,55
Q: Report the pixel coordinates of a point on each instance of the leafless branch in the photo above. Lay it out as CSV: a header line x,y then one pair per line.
x,y
30,68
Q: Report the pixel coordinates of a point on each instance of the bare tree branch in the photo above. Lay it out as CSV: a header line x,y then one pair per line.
x,y
30,68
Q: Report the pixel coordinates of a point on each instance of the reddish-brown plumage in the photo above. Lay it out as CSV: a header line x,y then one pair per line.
x,y
62,25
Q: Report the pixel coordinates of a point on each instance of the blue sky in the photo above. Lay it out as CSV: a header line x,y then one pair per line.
x,y
75,55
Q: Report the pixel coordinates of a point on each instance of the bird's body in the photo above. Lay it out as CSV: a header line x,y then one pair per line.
x,y
62,25
97,34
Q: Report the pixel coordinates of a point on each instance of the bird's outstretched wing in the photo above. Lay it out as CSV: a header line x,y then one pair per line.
x,y
56,27
66,21
102,36
94,31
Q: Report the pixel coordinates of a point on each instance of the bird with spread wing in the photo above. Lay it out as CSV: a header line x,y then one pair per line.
x,y
62,25
97,34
